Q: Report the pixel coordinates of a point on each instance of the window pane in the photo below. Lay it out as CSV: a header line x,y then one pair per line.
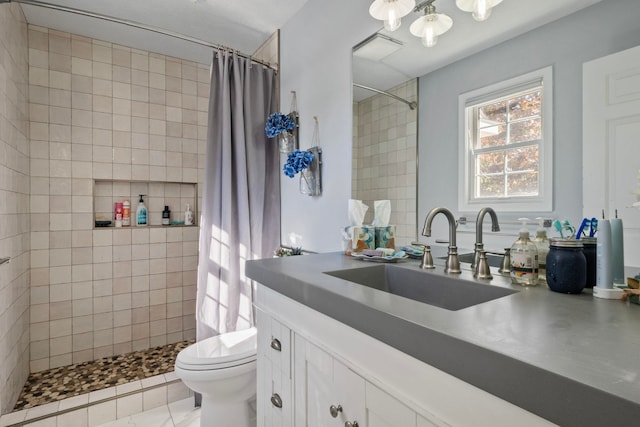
x,y
490,186
492,136
492,114
523,159
526,130
526,105
491,163
522,184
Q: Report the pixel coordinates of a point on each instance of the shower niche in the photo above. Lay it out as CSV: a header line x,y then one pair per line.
x,y
157,195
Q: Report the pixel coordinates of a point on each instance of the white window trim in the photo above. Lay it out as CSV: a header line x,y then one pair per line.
x,y
544,201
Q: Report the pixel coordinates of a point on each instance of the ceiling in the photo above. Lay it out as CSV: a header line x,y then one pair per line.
x,y
509,19
244,25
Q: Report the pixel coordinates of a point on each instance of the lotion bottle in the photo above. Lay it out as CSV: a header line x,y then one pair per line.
x,y
141,213
524,259
188,216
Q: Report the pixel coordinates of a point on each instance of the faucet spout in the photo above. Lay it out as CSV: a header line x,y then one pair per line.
x,y
480,218
453,264
479,247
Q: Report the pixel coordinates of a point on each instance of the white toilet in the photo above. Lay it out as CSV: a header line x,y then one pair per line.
x,y
223,370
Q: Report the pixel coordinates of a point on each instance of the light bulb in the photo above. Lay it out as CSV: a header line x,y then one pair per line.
x,y
429,39
392,22
481,10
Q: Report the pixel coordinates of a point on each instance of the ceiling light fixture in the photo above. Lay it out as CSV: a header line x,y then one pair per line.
x,y
480,9
431,25
390,11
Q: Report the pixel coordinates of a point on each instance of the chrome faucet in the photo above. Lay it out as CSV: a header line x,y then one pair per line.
x,y
479,246
452,265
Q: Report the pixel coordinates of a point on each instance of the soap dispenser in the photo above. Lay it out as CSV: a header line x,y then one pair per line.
x,y
141,212
524,258
542,244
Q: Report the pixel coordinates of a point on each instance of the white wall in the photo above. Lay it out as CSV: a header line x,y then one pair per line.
x,y
315,60
14,205
565,44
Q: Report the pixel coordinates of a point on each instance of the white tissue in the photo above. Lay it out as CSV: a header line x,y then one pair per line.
x,y
356,212
381,213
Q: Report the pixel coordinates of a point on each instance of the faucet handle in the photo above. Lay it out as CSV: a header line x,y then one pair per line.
x,y
427,259
483,270
505,266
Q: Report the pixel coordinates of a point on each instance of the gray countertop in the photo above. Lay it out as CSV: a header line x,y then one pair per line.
x,y
572,359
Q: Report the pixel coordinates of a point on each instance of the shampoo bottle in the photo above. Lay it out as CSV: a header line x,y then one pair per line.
x,y
141,213
524,259
542,244
166,216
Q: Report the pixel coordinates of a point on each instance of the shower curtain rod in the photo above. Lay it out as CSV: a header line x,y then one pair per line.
x,y
135,25
412,104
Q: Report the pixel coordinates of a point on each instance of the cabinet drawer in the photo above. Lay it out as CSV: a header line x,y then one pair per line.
x,y
274,342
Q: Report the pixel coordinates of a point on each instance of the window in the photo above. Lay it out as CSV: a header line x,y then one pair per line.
x,y
506,141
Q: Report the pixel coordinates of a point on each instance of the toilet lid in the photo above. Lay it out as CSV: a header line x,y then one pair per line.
x,y
221,351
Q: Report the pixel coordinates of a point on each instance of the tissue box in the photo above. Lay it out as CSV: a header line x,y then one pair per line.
x,y
385,237
361,237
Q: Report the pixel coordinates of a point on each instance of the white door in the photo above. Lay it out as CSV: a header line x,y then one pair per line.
x,y
611,147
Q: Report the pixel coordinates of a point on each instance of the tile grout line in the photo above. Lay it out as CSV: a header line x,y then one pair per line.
x,y
86,405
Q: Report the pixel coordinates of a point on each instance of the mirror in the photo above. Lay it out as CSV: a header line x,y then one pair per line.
x,y
384,146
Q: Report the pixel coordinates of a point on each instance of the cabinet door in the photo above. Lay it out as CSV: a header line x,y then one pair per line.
x,y
386,411
275,404
327,394
274,391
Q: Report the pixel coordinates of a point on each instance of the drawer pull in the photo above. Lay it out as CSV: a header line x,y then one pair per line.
x,y
351,424
335,410
276,400
275,344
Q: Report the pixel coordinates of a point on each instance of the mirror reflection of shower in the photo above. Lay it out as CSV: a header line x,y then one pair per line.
x,y
385,154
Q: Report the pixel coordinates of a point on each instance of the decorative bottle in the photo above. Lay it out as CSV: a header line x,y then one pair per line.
x,y
524,259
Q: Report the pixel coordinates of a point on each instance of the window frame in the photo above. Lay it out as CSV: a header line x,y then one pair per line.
x,y
543,202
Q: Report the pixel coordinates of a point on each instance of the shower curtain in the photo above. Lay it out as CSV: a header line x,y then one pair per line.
x,y
240,215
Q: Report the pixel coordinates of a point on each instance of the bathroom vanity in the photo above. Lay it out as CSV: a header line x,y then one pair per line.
x,y
333,352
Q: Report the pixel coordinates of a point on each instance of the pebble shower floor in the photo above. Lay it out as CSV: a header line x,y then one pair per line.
x,y
67,381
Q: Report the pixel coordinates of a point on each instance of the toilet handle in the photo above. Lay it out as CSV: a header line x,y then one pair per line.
x,y
276,400
275,344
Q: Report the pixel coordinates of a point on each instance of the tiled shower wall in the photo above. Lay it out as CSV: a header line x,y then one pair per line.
x,y
98,112
14,205
384,157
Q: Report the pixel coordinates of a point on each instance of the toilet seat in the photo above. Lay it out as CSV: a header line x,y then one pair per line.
x,y
220,352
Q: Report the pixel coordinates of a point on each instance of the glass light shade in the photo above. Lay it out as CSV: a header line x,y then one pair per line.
x,y
390,11
480,9
430,27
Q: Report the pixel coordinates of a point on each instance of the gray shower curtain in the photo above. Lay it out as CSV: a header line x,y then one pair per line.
x,y
240,215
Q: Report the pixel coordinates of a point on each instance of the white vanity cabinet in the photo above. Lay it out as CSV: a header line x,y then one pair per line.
x,y
303,385
322,367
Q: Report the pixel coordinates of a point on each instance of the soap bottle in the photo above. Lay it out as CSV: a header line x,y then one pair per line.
x,y
166,216
542,244
524,259
188,215
141,213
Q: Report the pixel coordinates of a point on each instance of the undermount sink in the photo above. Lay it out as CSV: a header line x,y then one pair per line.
x,y
441,291
494,260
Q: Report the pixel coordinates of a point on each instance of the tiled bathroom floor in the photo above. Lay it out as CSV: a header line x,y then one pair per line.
x,y
177,414
60,383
